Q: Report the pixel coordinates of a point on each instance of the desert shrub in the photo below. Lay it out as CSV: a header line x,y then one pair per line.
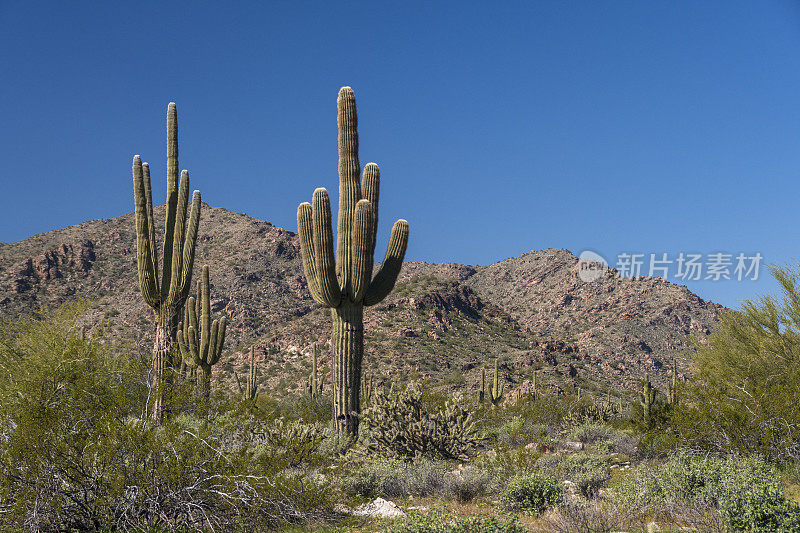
x,y
589,517
503,463
76,455
437,520
399,423
745,491
589,472
590,433
384,477
292,443
466,484
532,493
745,395
427,477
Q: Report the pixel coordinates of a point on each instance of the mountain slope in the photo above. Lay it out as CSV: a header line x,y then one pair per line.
x,y
444,321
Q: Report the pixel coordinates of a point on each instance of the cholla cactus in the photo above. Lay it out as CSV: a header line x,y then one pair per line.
x,y
201,341
647,397
344,282
165,290
496,393
314,386
400,423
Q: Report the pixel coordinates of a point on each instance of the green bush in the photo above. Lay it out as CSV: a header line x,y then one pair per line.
x,y
589,472
76,454
532,493
438,520
746,491
382,477
745,394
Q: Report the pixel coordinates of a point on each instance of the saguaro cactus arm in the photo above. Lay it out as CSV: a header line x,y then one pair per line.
x,y
386,277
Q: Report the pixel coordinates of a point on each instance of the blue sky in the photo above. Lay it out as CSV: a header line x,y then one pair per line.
x,y
619,127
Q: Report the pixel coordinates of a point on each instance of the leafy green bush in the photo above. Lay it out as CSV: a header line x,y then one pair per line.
x,y
532,493
76,454
746,491
437,520
745,395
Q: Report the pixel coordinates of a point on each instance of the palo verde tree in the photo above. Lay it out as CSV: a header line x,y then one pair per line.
x,y
165,290
344,282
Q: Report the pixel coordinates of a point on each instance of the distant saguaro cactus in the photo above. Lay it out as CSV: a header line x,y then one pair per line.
x,y
165,290
647,397
315,385
672,391
496,393
251,390
201,341
344,282
482,391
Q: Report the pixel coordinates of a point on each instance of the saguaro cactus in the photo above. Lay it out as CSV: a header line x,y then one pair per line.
x,y
314,386
482,391
672,391
252,387
165,290
201,341
344,283
647,397
496,393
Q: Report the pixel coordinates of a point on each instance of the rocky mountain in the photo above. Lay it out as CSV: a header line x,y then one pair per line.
x,y
443,321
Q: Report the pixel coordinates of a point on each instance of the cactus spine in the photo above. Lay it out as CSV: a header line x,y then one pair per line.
x,y
165,290
201,342
314,386
497,387
344,282
647,397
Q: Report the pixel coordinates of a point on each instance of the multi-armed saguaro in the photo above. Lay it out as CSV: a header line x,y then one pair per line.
x,y
167,292
201,340
344,282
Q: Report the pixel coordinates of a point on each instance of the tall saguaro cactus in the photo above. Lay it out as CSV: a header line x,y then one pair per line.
x,y
165,290
344,282
201,341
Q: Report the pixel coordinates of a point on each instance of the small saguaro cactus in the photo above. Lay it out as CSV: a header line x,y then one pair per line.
x,y
366,389
201,340
251,390
344,282
533,385
165,290
496,392
314,386
482,391
647,397
672,391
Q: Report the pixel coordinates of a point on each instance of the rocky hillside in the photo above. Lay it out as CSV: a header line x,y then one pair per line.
x,y
443,322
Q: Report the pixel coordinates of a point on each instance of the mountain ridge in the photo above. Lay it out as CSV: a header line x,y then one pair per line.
x,y
444,321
